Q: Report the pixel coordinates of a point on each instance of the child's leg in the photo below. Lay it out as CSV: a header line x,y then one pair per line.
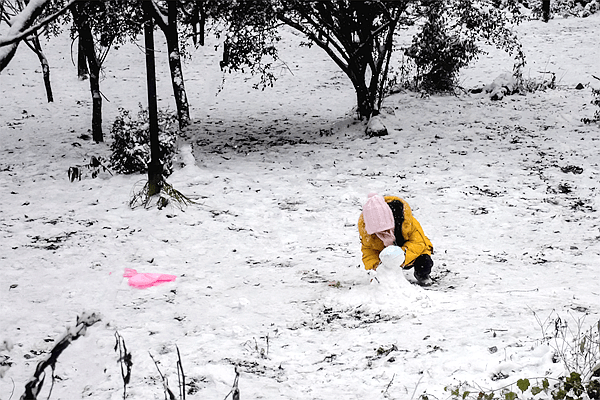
x,y
423,265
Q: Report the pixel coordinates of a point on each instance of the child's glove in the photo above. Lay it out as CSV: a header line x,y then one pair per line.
x,y
392,257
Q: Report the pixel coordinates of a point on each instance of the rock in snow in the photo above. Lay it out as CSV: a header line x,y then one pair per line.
x,y
504,84
375,127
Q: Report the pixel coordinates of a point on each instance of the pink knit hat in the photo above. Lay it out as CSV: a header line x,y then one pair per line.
x,y
377,214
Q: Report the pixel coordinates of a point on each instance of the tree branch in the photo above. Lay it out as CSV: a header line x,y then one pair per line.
x,y
320,22
19,24
341,57
34,385
9,23
159,16
338,59
22,34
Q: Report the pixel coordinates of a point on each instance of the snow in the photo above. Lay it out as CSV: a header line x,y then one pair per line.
x,y
269,277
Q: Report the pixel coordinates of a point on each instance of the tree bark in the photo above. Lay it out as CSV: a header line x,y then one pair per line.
x,y
87,42
37,46
172,37
364,100
97,134
168,24
546,10
155,167
82,68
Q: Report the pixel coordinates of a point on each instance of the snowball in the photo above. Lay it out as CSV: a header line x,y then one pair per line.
x,y
392,256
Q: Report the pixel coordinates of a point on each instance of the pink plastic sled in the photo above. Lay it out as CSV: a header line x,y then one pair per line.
x,y
146,280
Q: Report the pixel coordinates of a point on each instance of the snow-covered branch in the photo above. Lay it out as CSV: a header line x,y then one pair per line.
x,y
21,28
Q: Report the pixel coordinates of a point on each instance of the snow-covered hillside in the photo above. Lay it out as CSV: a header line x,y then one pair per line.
x,y
269,276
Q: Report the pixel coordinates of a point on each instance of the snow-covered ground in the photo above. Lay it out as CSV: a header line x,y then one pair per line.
x,y
269,277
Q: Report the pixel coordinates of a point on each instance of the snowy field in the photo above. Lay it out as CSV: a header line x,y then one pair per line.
x,y
269,276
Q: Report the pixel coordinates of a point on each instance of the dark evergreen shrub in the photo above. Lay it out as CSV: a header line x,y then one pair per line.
x,y
439,53
130,149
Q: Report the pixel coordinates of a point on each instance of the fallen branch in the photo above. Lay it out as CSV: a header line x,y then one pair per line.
x,y
33,387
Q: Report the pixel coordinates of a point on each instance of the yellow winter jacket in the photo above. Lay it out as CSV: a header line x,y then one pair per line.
x,y
416,241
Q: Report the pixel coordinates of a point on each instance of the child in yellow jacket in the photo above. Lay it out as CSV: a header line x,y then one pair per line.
x,y
387,221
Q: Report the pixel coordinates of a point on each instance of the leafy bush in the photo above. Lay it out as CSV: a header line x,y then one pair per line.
x,y
131,145
566,8
570,387
451,35
439,53
577,348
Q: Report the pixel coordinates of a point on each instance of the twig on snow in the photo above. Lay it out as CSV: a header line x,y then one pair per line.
x,y
180,375
416,386
235,391
522,290
165,382
125,361
388,386
13,389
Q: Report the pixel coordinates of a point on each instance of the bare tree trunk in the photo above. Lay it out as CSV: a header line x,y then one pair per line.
x,y
357,35
82,69
169,27
365,100
155,167
97,134
172,36
87,41
45,67
357,72
386,55
546,10
35,46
